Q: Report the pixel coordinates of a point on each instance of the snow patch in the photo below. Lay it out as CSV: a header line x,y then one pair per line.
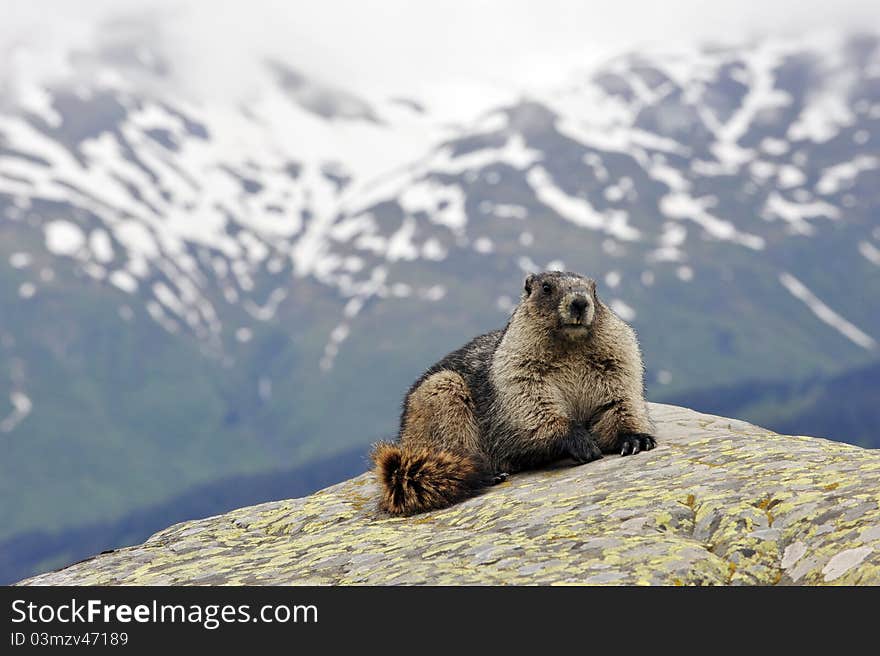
x,y
101,247
684,273
27,290
63,237
401,290
870,252
821,119
434,293
761,97
137,239
762,170
578,211
483,245
790,176
504,210
671,177
20,260
673,235
21,408
169,299
267,311
35,99
775,147
611,247
835,178
622,310
796,214
505,304
443,204
433,250
124,281
797,289
400,244
527,264
684,206
514,153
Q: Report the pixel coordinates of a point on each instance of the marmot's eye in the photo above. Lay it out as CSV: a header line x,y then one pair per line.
x,y
547,287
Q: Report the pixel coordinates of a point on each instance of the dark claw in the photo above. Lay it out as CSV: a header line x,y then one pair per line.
x,y
583,461
587,452
632,443
500,477
581,446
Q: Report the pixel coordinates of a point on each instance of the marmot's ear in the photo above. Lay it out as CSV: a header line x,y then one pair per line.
x,y
527,285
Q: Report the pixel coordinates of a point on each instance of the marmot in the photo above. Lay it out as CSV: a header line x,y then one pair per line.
x,y
563,379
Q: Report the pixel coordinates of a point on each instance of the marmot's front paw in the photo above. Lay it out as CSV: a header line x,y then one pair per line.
x,y
632,443
584,450
499,478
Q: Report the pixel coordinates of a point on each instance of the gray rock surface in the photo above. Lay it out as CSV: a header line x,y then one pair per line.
x,y
719,501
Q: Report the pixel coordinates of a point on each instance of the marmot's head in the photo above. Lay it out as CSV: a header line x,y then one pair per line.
x,y
563,303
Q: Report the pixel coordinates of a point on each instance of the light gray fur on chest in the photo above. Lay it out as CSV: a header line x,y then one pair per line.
x,y
576,389
569,388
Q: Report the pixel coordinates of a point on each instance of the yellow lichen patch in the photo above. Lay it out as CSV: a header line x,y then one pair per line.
x,y
561,533
731,570
718,502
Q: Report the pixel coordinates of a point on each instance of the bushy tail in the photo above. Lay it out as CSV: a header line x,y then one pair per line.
x,y
416,479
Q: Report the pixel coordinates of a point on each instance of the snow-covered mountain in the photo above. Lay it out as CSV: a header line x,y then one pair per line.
x,y
653,155
282,266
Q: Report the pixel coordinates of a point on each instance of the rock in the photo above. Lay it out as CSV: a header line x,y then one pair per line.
x,y
719,501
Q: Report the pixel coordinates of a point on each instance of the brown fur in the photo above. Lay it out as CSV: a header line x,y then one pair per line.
x,y
563,379
544,382
441,413
417,478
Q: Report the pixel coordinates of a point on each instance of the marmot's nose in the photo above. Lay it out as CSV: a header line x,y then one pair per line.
x,y
578,306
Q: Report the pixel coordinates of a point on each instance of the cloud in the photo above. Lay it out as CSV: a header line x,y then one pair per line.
x,y
424,47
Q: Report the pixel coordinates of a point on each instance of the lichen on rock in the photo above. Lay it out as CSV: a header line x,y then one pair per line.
x,y
719,501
